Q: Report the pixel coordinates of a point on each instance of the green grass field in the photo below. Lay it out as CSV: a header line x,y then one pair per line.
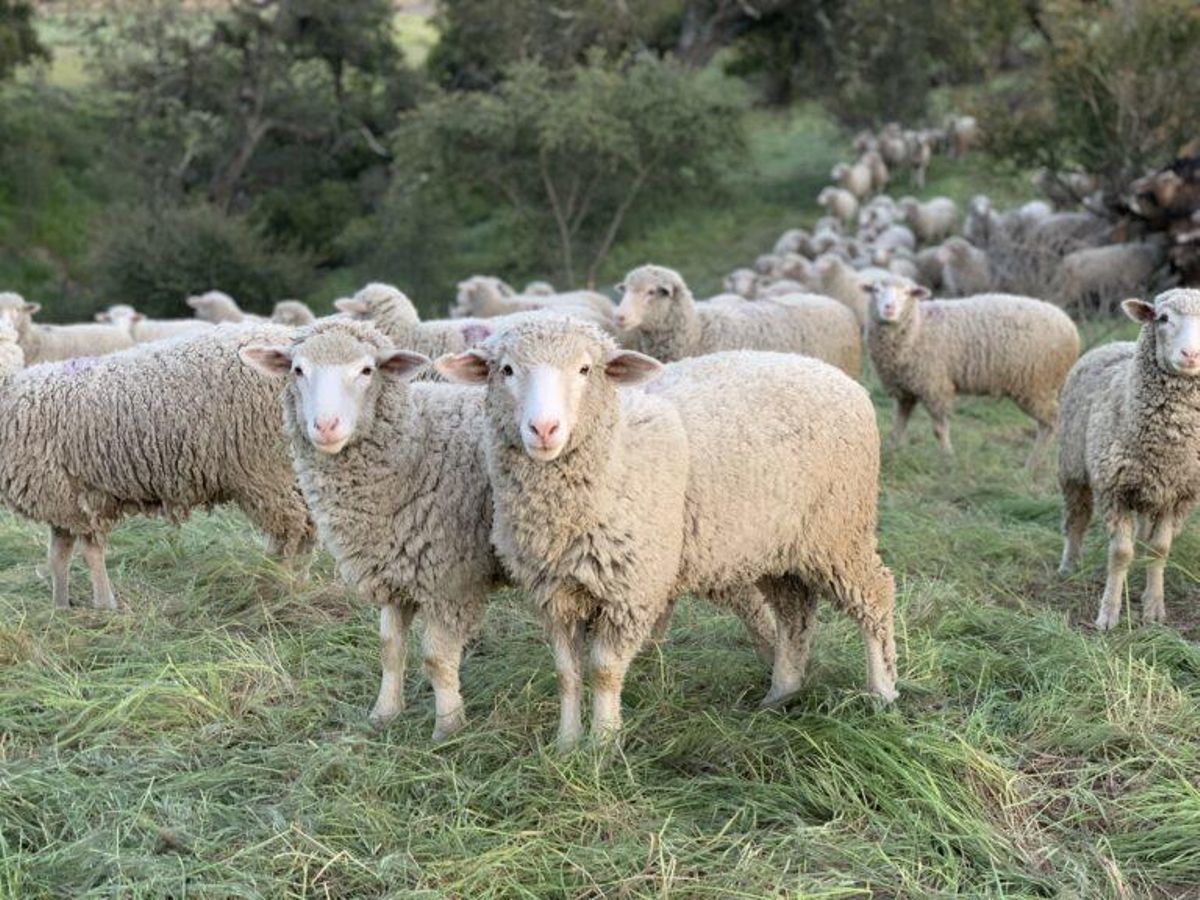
x,y
211,740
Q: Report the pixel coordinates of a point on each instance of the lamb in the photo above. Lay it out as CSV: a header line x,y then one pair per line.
x,y
1130,428
607,503
966,269
162,428
856,178
658,310
839,203
1095,277
407,526
50,343
142,329
484,296
932,220
295,313
990,344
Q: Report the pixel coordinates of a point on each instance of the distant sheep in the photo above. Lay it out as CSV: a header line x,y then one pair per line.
x,y
294,313
855,178
839,203
965,269
1097,277
218,307
932,220
51,343
143,329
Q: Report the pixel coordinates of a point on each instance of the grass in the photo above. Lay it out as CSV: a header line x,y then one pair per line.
x,y
211,739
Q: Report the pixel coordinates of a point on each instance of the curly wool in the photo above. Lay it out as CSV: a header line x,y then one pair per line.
x,y
163,428
996,345
674,327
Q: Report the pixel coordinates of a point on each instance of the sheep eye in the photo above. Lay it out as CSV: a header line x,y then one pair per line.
x,y
297,371
621,288
583,370
1161,317
368,371
661,291
506,370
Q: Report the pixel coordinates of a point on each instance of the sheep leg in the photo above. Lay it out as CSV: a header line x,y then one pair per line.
x,y
870,601
566,640
1161,535
748,604
62,544
1041,445
904,411
941,431
662,624
1077,513
795,608
93,554
609,663
442,651
394,621
1120,554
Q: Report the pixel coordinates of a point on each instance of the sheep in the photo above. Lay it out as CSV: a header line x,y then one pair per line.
x,y
162,428
834,278
783,288
990,344
394,475
839,203
878,168
607,503
539,289
878,214
965,269
920,154
742,281
217,307
51,343
1130,428
658,311
854,178
892,146
143,329
930,268
295,313
794,240
895,237
963,134
484,296
1097,276
932,220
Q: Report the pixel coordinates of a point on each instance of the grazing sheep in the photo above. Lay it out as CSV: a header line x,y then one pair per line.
x,y
217,307
932,220
1130,429
294,313
991,344
163,428
966,269
50,343
839,203
658,310
143,329
854,178
394,475
608,503
1096,277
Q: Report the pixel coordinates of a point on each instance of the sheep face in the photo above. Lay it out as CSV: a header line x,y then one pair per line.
x,y
335,381
16,313
893,302
647,296
1175,317
548,381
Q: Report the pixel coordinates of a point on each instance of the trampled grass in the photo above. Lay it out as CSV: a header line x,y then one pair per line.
x,y
211,738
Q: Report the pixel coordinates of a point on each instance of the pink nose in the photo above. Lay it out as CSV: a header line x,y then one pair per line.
x,y
620,320
1190,356
544,429
327,426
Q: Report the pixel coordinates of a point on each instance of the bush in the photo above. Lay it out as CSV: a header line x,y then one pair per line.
x,y
154,258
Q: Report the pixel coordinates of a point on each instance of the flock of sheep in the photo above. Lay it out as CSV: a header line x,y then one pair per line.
x,y
604,458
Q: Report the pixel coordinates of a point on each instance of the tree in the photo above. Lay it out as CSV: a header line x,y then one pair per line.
x,y
577,154
18,39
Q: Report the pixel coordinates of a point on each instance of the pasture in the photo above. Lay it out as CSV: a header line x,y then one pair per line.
x,y
211,738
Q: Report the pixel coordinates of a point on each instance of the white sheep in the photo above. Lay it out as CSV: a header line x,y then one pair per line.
x,y
1096,277
932,220
835,278
485,297
295,313
855,178
144,329
163,428
50,343
966,269
658,311
794,240
744,282
878,168
1130,429
839,203
217,307
608,503
991,344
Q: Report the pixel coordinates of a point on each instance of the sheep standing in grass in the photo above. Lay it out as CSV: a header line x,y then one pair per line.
x,y
657,309
991,344
1130,429
163,428
50,343
394,476
608,503
143,329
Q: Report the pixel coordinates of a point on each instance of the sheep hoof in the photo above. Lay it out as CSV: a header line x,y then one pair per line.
x,y
886,694
382,718
1154,615
106,601
449,725
774,700
1105,623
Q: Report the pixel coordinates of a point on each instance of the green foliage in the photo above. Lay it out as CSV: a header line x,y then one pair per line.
x,y
19,43
578,157
156,257
1113,89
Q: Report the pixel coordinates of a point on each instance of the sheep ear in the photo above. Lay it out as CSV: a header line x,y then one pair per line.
x,y
627,367
919,292
196,302
404,363
1138,310
33,308
470,367
351,306
137,317
103,317
267,358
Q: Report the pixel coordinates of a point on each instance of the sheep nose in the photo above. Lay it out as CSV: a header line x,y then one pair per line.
x,y
544,428
1190,355
620,320
327,426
